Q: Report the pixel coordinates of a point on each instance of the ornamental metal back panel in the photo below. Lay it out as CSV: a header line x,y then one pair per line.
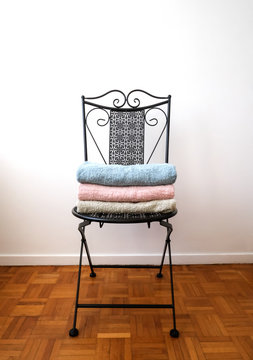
x,y
126,141
128,117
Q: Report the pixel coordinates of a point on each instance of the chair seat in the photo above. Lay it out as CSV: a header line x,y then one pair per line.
x,y
123,218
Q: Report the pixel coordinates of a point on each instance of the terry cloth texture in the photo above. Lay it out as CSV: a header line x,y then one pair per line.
x,y
126,193
127,175
153,206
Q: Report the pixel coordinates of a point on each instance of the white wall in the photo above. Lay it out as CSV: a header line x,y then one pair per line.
x,y
199,51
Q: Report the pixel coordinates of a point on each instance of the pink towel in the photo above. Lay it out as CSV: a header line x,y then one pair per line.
x,y
125,193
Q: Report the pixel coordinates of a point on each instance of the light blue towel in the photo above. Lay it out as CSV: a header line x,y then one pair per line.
x,y
126,175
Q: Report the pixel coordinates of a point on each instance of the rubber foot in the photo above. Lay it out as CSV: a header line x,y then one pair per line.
x,y
159,275
174,333
93,274
73,332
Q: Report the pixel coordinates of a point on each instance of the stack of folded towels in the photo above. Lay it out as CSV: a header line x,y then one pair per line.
x,y
126,188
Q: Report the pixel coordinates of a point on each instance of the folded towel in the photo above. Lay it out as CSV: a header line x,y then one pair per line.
x,y
125,193
153,206
125,175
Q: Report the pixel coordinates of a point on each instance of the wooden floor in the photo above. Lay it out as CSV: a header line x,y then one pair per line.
x,y
214,306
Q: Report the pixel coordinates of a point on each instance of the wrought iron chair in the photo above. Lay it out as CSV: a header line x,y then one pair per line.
x,y
127,119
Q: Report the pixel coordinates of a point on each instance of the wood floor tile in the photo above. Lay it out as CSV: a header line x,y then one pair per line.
x,y
27,310
50,329
7,305
86,349
45,279
13,291
244,345
39,349
116,323
237,324
146,326
11,348
63,291
5,322
57,309
112,349
147,350
20,327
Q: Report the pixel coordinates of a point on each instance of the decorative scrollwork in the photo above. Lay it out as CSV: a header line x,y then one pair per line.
x,y
134,99
100,121
133,103
136,102
155,120
149,121
117,102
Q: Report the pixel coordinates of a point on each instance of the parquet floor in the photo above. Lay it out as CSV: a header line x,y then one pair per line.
x,y
214,306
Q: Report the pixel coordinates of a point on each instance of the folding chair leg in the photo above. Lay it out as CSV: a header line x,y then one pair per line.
x,y
173,332
81,229
159,275
169,231
74,331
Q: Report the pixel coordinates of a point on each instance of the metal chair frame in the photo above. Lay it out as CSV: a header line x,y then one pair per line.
x,y
130,107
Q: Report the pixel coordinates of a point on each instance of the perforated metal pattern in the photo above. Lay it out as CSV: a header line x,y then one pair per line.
x,y
126,145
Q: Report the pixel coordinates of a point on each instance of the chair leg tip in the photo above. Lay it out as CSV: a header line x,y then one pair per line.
x,y
174,333
73,332
159,275
93,274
